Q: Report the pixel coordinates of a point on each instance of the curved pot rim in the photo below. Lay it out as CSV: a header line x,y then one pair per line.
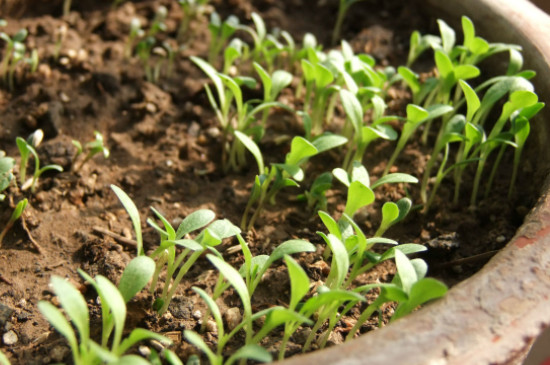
x,y
484,319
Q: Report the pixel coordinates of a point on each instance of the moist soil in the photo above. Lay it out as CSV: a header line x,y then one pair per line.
x,y
165,154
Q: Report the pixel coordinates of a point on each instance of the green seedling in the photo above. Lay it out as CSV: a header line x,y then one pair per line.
x,y
416,116
14,55
192,10
232,53
273,85
133,212
145,48
166,256
60,35
66,7
409,288
91,148
343,8
420,43
15,215
219,34
271,180
319,85
135,33
113,308
363,134
258,34
6,172
315,197
27,149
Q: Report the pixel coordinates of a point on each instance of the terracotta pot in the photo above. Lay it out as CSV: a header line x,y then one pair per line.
x,y
493,317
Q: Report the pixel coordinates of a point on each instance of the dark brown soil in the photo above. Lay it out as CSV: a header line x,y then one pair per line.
x,y
164,154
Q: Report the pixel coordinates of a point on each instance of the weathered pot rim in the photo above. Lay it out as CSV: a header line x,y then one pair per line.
x,y
485,319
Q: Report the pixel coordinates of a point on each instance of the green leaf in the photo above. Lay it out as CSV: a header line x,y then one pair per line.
x,y
19,208
223,229
360,173
133,213
421,292
171,233
329,297
58,321
212,74
235,279
416,113
136,275
340,261
250,352
466,72
328,141
212,306
448,36
443,63
330,223
280,80
472,100
405,271
140,334
131,360
353,109
410,78
299,282
390,212
198,342
253,148
111,297
289,247
323,76
74,305
300,149
194,221
394,178
341,175
359,195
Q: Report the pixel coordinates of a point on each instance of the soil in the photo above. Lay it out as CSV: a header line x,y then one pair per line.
x,y
165,153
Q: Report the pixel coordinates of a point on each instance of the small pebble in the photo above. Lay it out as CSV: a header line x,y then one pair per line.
x,y
232,317
197,314
501,239
10,338
211,326
58,353
64,97
144,351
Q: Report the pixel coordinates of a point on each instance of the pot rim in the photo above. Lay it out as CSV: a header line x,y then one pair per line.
x,y
482,320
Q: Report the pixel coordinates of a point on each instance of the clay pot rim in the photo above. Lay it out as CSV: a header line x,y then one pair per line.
x,y
484,319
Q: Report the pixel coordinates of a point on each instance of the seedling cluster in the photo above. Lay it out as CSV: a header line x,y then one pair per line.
x,y
330,85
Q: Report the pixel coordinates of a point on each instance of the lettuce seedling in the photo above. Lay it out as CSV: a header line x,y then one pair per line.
x,y
409,288
27,149
133,212
272,84
315,196
6,172
14,55
135,33
192,9
416,116
219,34
92,148
206,240
271,180
113,308
15,215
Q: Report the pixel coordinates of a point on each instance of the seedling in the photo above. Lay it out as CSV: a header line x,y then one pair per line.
x,y
273,85
219,34
192,9
343,8
166,256
15,215
14,55
135,33
315,196
92,148
27,149
409,288
6,172
270,181
60,35
113,308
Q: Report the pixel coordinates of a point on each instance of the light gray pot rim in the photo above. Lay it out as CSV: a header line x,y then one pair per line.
x,y
494,316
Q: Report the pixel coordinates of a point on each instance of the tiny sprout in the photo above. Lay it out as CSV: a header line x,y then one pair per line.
x,y
135,32
26,149
92,148
60,35
6,175
16,214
